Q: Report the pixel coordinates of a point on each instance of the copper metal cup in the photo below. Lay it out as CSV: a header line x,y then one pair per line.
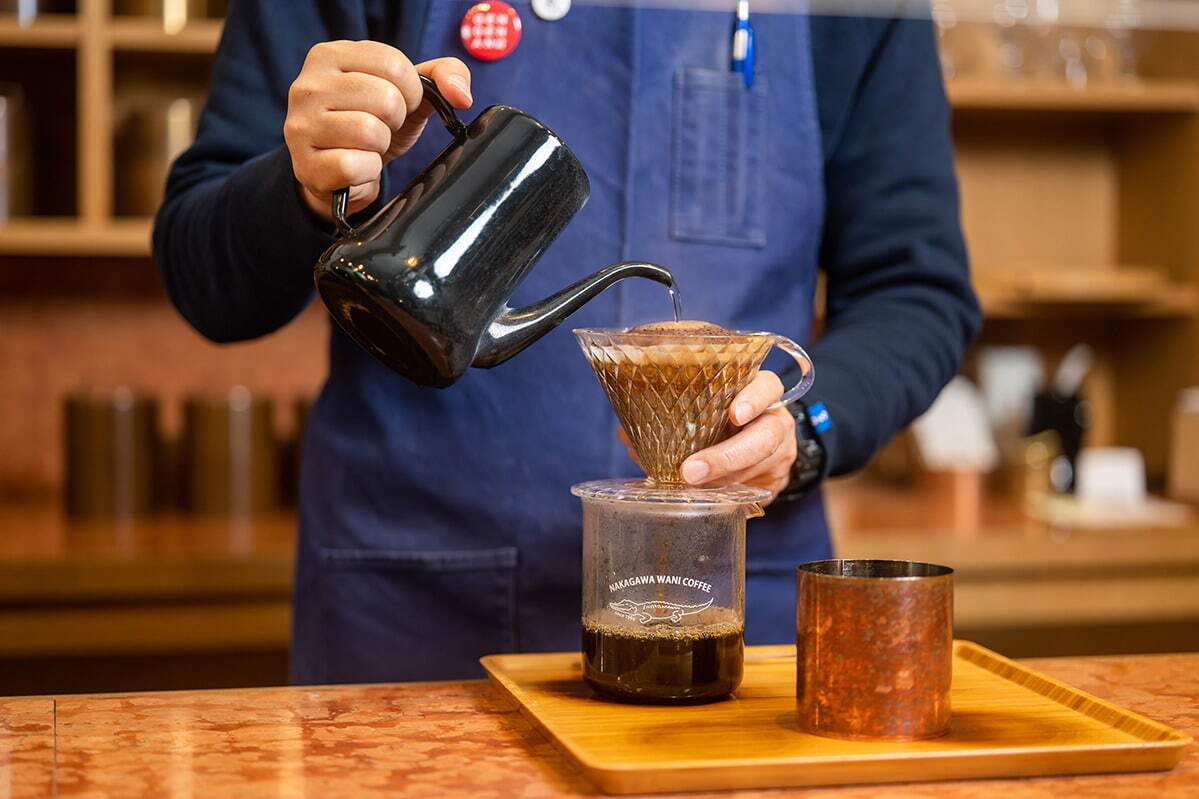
x,y
874,649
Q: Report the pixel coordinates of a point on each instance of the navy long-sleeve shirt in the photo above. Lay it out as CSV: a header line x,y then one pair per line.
x,y
235,244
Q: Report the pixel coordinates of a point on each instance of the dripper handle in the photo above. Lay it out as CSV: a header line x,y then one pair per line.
x,y
341,197
807,371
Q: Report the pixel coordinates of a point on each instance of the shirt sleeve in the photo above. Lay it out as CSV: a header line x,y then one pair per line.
x,y
234,243
900,307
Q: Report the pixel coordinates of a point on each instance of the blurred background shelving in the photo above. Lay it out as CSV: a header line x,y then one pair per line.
x,y
106,95
112,56
1099,291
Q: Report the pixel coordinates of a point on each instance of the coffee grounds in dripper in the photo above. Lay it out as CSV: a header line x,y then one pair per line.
x,y
686,327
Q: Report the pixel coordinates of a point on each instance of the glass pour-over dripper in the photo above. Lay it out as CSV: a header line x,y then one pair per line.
x,y
664,563
672,389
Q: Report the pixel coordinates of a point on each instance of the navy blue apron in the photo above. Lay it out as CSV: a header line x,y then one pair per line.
x,y
438,526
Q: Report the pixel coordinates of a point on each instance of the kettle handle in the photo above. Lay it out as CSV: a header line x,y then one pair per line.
x,y
456,127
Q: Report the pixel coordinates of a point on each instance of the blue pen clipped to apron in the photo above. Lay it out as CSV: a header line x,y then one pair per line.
x,y
743,44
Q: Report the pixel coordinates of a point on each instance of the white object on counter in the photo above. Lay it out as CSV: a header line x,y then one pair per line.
x,y
1009,378
954,434
1072,370
1065,512
1111,477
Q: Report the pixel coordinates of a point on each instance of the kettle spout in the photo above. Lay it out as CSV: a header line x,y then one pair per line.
x,y
516,328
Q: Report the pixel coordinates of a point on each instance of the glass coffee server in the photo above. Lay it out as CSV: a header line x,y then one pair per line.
x,y
664,590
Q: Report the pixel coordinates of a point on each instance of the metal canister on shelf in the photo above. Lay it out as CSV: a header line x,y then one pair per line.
x,y
230,456
1184,447
151,131
291,451
16,189
111,453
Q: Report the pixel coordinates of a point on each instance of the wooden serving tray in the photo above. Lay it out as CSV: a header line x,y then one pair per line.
x,y
1008,721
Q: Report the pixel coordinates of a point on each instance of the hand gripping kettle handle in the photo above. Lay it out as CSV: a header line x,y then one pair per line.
x,y
341,197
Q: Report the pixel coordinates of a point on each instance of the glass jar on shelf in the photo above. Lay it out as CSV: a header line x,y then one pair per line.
x,y
1123,18
174,14
16,190
150,130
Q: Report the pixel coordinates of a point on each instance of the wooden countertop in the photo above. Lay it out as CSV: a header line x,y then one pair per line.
x,y
446,739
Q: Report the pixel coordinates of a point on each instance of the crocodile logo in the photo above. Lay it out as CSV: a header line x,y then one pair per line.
x,y
655,610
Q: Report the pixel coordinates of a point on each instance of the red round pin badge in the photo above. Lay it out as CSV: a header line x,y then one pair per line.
x,y
490,30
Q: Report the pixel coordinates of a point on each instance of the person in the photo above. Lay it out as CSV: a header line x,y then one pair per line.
x,y
438,526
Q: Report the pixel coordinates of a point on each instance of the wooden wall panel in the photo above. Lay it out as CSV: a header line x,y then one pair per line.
x,y
1041,193
51,345
95,113
1159,223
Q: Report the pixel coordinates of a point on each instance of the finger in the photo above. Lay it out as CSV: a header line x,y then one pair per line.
x,y
772,482
762,392
351,130
329,170
774,478
357,91
773,473
633,456
452,78
360,197
756,442
372,58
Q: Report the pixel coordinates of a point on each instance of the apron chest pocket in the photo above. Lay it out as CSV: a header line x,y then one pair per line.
x,y
399,615
718,142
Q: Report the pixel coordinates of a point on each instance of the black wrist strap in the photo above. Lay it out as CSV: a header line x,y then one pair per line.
x,y
809,458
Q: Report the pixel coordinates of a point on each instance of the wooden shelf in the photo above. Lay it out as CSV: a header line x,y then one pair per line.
x,y
165,583
1049,290
47,30
69,236
1145,96
147,35
1176,303
126,33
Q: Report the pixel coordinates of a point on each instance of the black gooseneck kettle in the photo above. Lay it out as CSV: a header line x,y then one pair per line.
x,y
424,285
